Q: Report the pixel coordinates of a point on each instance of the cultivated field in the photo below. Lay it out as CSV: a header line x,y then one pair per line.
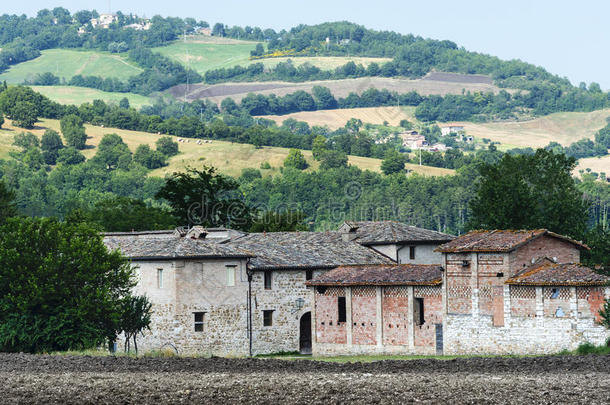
x,y
339,88
110,380
229,158
206,53
564,128
80,95
338,118
67,63
596,164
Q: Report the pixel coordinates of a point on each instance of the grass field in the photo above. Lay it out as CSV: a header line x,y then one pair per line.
x,y
337,118
208,53
596,164
67,63
229,158
80,95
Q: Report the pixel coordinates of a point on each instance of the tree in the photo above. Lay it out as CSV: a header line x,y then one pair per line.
x,y
529,192
1,120
151,159
124,214
25,114
353,125
318,147
135,319
598,239
26,141
333,159
70,156
604,314
204,197
405,124
271,221
60,288
124,103
73,130
167,146
50,144
110,150
295,159
8,208
394,162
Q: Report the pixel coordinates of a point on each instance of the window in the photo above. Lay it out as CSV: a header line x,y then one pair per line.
x,y
308,274
267,280
159,278
418,311
555,293
230,276
411,252
198,321
268,317
342,312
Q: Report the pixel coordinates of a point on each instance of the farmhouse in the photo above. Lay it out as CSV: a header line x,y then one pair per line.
x,y
369,287
219,291
452,129
501,292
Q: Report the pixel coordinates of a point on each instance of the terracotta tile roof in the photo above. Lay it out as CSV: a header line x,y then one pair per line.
x,y
139,247
293,250
547,272
381,232
396,274
499,240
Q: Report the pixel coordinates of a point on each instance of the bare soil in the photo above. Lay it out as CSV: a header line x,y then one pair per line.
x,y
84,380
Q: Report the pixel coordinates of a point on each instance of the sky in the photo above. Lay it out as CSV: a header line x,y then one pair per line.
x,y
568,38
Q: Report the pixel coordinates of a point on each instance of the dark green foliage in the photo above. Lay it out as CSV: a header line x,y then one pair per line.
x,y
529,192
151,159
111,151
24,114
73,131
318,147
26,141
1,120
167,146
271,221
598,239
60,289
605,315
296,160
70,156
394,162
135,319
124,214
248,175
124,103
8,208
333,159
51,144
204,197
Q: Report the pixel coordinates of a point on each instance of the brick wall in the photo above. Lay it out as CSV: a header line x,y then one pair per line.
x,y
364,314
523,301
424,335
328,329
544,246
395,308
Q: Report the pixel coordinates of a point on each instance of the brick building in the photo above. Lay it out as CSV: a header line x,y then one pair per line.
x,y
223,292
493,292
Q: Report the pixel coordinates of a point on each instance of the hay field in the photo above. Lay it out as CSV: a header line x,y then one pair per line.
x,y
80,95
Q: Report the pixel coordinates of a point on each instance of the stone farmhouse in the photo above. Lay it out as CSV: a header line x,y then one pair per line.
x,y
369,287
501,292
223,292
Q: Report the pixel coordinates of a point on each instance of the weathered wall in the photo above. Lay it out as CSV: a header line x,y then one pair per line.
x,y
424,254
433,314
327,326
543,333
364,315
544,246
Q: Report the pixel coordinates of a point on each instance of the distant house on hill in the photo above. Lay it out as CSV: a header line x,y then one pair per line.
x,y
207,31
143,26
104,20
452,129
413,140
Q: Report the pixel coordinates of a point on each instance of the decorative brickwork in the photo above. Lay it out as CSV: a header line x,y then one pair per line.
x,y
427,291
401,292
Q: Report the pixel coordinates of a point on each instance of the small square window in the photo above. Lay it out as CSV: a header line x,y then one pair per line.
x,y
411,252
308,274
230,276
159,278
267,280
268,317
198,321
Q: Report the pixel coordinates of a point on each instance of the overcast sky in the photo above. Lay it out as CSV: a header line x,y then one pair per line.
x,y
568,38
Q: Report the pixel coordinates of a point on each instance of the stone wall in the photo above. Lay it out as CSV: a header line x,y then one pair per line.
x,y
543,333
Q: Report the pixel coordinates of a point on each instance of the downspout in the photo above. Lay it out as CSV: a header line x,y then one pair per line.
x,y
249,305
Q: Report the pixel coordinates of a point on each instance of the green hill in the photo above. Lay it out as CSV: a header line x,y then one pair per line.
x,y
66,63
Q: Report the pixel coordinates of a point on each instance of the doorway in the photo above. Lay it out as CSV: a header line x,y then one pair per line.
x,y
305,333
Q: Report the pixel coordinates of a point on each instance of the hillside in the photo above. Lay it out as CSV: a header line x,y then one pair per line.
x,y
79,95
339,88
230,158
66,63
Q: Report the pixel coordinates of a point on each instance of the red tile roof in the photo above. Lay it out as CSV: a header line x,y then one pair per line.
x,y
547,272
499,240
393,274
